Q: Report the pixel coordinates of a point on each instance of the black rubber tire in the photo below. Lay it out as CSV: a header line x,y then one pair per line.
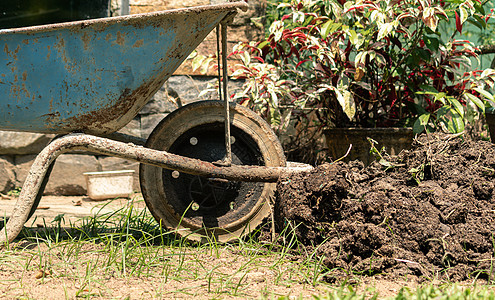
x,y
202,208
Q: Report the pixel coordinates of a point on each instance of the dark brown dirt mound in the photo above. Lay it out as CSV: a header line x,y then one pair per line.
x,y
429,214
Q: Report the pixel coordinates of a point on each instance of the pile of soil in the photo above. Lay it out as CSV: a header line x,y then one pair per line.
x,y
428,212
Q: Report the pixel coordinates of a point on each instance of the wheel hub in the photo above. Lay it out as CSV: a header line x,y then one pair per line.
x,y
212,201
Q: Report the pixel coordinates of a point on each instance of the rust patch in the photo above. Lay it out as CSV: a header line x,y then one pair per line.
x,y
120,39
86,39
52,118
84,25
60,46
98,121
138,43
16,89
11,53
49,52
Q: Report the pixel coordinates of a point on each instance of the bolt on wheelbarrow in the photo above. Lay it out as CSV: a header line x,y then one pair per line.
x,y
207,170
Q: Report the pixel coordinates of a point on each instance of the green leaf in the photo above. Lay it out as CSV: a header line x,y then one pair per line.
x,y
328,28
440,99
415,108
423,119
479,7
443,111
420,123
263,44
485,93
440,96
431,42
477,101
360,58
275,116
459,108
197,61
350,107
464,14
428,88
478,22
353,37
205,65
458,122
346,101
325,29
423,54
385,163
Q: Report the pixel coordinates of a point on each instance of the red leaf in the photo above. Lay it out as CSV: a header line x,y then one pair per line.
x,y
293,50
458,24
259,59
471,53
301,62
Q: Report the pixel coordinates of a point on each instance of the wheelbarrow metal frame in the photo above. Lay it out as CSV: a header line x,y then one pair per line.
x,y
130,151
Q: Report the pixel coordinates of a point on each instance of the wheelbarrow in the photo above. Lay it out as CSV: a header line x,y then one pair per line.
x,y
207,170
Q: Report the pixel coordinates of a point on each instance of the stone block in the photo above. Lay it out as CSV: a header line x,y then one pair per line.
x,y
162,102
188,88
115,7
7,174
149,122
67,175
109,163
133,128
12,142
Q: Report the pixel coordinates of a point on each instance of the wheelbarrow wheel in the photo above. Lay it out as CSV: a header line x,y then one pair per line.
x,y
202,208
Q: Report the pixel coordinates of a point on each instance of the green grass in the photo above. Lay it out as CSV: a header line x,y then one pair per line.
x,y
126,254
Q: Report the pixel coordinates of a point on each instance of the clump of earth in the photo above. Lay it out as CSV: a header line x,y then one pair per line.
x,y
428,212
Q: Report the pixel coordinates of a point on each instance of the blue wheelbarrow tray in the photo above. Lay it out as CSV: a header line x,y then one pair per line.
x,y
94,76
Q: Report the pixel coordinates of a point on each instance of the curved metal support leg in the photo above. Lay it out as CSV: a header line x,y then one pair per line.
x,y
29,195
